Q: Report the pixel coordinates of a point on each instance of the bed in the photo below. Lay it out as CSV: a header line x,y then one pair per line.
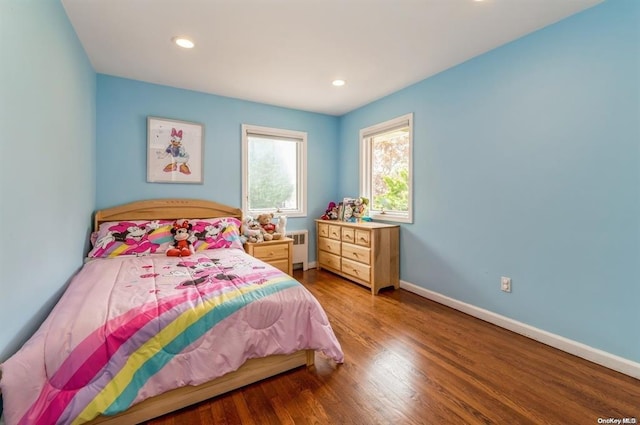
x,y
138,334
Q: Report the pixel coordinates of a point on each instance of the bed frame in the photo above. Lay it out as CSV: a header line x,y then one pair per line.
x,y
251,371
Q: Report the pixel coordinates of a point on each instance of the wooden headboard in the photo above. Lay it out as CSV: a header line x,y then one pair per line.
x,y
169,209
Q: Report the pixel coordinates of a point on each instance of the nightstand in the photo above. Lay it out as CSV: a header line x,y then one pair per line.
x,y
278,253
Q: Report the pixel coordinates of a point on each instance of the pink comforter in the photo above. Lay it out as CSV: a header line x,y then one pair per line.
x,y
129,328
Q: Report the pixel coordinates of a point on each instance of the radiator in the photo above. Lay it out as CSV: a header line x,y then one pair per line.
x,y
300,247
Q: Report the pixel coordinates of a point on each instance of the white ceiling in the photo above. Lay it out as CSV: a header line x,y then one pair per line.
x,y
287,52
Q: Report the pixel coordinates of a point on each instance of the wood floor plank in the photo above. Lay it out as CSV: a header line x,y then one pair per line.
x,y
409,360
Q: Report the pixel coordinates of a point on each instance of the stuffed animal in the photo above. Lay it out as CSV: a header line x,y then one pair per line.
x,y
268,228
251,231
181,246
281,225
331,213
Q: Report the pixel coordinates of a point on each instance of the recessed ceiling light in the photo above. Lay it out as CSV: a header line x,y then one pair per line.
x,y
183,42
338,83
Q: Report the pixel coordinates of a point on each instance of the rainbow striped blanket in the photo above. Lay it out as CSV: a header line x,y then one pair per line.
x,y
129,328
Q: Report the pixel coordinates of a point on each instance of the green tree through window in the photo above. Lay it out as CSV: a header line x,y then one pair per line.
x,y
271,184
386,169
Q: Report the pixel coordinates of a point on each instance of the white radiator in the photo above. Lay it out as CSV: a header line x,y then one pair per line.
x,y
300,247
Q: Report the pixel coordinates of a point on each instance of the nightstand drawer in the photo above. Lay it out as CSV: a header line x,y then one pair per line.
x,y
329,245
356,253
271,252
280,264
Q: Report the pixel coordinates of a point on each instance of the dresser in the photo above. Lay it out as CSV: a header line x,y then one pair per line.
x,y
278,253
366,253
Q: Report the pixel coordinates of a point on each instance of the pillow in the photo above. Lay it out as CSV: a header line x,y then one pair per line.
x,y
213,233
133,237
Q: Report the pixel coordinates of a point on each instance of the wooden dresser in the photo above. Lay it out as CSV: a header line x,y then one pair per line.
x,y
367,253
278,253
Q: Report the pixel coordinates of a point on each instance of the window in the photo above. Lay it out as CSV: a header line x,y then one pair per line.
x,y
386,152
274,171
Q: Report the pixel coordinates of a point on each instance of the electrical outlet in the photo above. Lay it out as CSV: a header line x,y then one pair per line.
x,y
505,284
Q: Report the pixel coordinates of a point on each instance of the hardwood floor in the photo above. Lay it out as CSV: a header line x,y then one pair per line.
x,y
409,360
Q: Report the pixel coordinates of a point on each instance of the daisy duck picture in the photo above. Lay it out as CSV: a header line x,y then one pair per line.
x,y
174,151
178,156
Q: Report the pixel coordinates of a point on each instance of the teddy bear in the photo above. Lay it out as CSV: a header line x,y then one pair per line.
x,y
268,228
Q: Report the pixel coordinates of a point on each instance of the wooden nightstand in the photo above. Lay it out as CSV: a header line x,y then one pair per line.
x,y
278,253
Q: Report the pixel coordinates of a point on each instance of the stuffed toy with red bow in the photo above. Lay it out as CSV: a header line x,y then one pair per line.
x,y
181,246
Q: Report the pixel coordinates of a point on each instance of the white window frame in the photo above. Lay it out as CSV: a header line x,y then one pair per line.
x,y
301,158
366,135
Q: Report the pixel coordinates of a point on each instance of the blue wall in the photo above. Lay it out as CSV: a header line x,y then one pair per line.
x,y
527,165
47,179
122,110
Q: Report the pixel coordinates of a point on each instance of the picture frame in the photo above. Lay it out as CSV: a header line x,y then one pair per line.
x,y
175,151
353,209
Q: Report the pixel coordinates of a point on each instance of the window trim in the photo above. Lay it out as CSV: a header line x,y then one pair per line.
x,y
301,153
365,167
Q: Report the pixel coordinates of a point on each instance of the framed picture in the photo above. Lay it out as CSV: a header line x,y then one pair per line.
x,y
353,209
174,151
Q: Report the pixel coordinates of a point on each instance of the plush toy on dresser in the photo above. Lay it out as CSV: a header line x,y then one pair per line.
x,y
331,213
182,246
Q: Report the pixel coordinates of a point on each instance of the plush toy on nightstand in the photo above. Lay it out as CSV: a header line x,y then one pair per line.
x,y
281,226
268,228
251,231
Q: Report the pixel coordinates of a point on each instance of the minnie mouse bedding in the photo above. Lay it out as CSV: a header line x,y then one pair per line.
x,y
129,328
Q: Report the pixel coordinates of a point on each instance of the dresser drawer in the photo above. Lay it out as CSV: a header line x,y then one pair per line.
x,y
329,260
357,270
348,234
334,232
271,252
356,253
329,245
323,230
362,237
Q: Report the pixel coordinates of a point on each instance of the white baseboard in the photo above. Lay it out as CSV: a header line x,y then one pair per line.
x,y
594,355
